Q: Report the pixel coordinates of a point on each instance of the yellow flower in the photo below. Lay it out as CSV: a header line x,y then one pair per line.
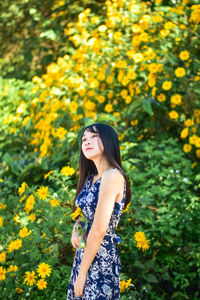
x,y
12,268
29,203
189,122
108,108
152,81
136,28
143,244
101,98
153,93
72,107
121,64
67,171
153,68
134,122
176,99
197,153
44,270
16,218
54,202
164,32
42,192
2,206
42,284
156,19
131,74
196,112
30,278
110,94
139,236
24,232
197,144
194,130
2,256
1,221
128,99
101,76
124,285
173,114
102,28
169,25
187,148
2,274
126,209
19,291
193,139
161,97
184,133
184,55
137,57
94,19
109,79
124,93
14,245
141,240
125,81
77,213
22,198
166,85
46,175
36,79
32,217
22,188
180,72
195,15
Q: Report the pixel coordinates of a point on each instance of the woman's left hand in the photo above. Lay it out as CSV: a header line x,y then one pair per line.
x,y
79,285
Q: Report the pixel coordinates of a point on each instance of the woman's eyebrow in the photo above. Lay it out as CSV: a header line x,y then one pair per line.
x,y
91,134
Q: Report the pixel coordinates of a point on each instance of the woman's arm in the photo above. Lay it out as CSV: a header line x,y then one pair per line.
x,y
107,196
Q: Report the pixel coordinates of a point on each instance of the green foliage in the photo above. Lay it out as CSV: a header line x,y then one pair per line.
x,y
32,34
165,205
49,241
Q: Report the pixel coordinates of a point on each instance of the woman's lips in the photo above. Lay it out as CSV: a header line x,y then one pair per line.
x,y
89,148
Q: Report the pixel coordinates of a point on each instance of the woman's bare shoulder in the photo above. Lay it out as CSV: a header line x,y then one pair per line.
x,y
117,175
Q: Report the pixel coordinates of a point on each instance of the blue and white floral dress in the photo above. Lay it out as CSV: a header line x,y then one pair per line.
x,y
103,277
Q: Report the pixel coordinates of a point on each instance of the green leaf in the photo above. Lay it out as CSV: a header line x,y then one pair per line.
x,y
8,159
108,69
151,278
139,265
133,106
146,105
50,34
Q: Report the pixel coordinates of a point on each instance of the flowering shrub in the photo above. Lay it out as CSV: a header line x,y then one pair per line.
x,y
136,67
35,246
135,61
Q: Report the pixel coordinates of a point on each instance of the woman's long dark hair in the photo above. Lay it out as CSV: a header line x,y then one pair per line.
x,y
111,151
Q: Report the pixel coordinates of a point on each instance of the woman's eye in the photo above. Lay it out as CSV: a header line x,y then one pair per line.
x,y
85,139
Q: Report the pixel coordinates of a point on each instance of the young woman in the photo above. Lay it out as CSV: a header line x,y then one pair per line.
x,y
103,192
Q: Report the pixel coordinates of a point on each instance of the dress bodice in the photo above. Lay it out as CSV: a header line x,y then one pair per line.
x,y
87,201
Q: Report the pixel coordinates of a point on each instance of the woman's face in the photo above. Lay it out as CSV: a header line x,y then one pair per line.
x,y
92,145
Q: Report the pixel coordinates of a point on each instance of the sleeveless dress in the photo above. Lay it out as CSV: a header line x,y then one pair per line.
x,y
103,277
